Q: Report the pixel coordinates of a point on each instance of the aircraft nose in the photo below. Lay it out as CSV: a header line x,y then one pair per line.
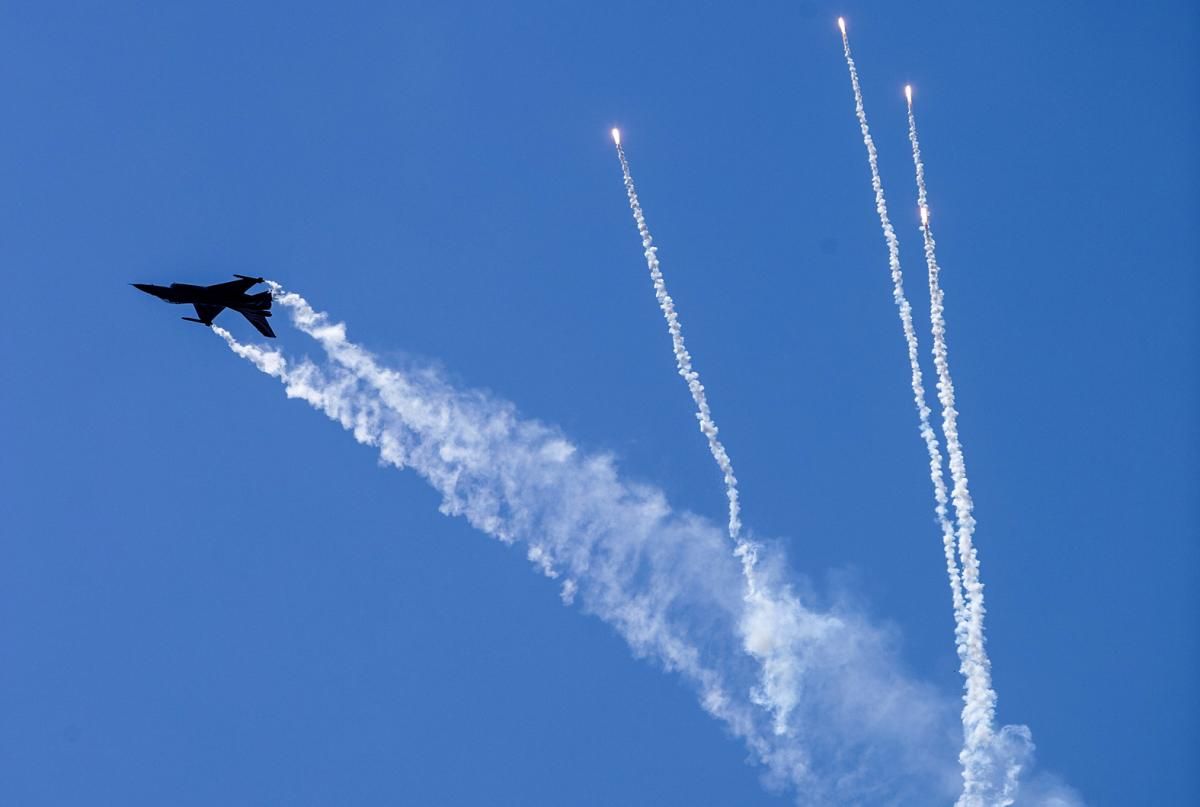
x,y
141,286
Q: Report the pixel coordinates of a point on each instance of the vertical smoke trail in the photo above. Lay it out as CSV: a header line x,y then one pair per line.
x,y
980,778
910,337
979,709
935,459
683,360
769,624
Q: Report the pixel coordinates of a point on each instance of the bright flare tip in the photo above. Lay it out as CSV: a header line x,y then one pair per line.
x,y
616,133
924,215
842,24
908,93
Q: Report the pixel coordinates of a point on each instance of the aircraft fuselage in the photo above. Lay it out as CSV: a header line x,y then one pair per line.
x,y
210,301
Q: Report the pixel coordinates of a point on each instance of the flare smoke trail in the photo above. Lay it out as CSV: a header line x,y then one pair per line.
x,y
780,673
941,498
861,731
980,707
935,457
961,616
991,764
683,359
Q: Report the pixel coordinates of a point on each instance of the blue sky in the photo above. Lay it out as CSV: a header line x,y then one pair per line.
x,y
211,594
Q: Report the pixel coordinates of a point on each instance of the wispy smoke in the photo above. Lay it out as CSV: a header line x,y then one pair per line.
x,y
863,731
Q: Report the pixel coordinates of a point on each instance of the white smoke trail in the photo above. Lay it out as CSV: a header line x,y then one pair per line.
x,y
979,708
683,359
979,736
861,730
767,609
910,339
931,443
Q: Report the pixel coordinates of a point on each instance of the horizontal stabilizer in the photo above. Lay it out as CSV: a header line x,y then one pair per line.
x,y
259,320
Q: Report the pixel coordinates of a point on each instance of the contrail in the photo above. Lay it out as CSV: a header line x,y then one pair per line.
x,y
683,359
861,730
980,706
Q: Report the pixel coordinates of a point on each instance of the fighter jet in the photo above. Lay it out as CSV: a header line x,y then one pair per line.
x,y
212,300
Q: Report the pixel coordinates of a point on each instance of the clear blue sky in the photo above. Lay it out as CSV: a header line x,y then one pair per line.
x,y
211,595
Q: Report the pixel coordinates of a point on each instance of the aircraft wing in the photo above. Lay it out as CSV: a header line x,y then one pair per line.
x,y
259,320
239,286
207,313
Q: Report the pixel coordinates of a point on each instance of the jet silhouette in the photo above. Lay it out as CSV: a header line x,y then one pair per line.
x,y
212,300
